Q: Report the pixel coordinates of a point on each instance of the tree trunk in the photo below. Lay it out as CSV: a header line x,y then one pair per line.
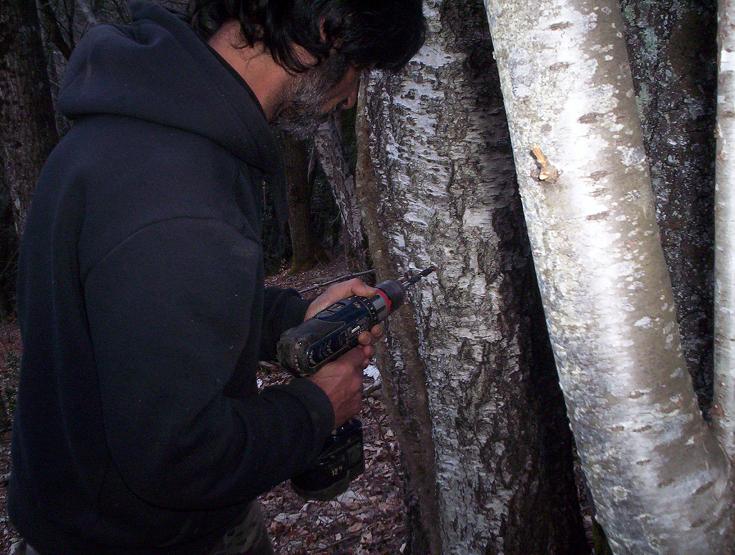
x,y
8,251
437,185
403,372
27,129
724,391
328,144
658,478
305,248
672,53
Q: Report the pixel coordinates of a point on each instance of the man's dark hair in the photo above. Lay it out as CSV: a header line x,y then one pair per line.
x,y
384,34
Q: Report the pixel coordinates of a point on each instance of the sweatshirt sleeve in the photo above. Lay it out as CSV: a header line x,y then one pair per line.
x,y
282,309
169,312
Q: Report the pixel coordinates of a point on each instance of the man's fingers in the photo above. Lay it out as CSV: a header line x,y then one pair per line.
x,y
366,338
354,357
338,292
371,337
359,287
368,351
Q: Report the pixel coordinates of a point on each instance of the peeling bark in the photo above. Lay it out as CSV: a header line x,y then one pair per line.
x,y
658,478
672,53
724,413
459,362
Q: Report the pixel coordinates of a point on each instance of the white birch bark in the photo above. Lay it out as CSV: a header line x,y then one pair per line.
x,y
657,475
445,194
723,412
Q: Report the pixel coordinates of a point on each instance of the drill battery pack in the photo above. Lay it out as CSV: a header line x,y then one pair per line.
x,y
340,461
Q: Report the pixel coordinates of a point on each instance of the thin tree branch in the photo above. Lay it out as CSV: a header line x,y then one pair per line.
x,y
335,280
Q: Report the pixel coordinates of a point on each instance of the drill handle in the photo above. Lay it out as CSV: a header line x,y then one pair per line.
x,y
295,346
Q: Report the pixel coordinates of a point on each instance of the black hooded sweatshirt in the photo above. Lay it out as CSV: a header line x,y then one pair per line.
x,y
139,427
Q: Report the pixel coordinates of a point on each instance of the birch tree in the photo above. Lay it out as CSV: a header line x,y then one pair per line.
x,y
480,424
658,477
724,388
674,66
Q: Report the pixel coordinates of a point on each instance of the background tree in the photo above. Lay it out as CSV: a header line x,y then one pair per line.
x,y
659,479
330,148
8,251
306,250
27,129
481,425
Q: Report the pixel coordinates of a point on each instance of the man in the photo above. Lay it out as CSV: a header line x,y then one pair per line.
x,y
139,427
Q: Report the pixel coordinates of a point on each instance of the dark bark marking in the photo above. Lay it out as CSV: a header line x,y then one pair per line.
x,y
596,176
561,26
592,117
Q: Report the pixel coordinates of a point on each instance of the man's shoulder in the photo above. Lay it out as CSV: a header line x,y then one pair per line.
x,y
149,167
133,173
137,146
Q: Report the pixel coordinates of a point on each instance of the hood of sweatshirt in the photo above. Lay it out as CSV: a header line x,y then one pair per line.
x,y
159,70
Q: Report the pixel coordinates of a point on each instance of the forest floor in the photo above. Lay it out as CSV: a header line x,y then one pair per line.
x,y
369,518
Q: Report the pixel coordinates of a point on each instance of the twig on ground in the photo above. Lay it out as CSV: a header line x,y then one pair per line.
x,y
342,540
350,537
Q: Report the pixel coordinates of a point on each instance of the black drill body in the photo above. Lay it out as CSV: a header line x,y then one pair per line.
x,y
320,340
335,330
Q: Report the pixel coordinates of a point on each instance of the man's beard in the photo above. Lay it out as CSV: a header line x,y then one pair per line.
x,y
303,101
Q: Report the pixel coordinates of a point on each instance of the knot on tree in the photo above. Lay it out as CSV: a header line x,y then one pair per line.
x,y
544,171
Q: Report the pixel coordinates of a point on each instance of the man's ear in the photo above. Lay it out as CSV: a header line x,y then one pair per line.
x,y
303,55
322,32
323,35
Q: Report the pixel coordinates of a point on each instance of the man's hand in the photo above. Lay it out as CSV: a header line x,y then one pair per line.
x,y
340,291
341,380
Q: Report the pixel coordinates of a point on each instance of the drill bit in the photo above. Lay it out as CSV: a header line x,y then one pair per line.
x,y
416,277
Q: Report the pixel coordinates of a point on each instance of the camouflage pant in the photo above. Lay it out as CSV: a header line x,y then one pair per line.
x,y
249,537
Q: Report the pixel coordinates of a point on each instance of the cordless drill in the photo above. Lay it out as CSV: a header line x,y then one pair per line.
x,y
325,337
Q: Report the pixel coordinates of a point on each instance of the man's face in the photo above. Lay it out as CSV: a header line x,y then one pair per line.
x,y
315,94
